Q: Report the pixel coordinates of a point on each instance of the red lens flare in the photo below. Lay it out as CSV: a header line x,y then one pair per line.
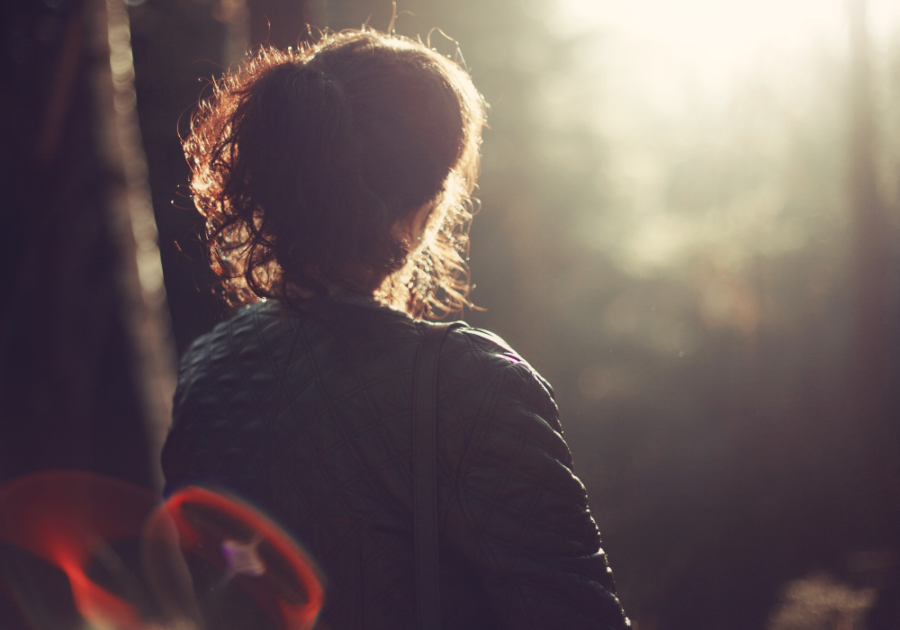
x,y
245,547
69,519
64,517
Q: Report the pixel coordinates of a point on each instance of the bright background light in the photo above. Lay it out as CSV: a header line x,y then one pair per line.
x,y
710,40
733,87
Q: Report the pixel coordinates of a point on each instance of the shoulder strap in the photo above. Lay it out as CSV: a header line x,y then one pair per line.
x,y
424,477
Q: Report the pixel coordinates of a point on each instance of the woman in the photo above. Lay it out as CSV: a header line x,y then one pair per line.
x,y
335,182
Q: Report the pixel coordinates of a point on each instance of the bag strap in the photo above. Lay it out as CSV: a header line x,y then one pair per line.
x,y
428,599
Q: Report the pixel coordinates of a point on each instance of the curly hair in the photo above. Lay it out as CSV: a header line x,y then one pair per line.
x,y
304,160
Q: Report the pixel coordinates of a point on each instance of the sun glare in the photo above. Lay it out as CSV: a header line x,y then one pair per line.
x,y
705,107
710,40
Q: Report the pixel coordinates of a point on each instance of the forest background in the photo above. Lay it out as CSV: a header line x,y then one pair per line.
x,y
689,225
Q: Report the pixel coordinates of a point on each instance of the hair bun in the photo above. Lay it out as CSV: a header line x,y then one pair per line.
x,y
303,161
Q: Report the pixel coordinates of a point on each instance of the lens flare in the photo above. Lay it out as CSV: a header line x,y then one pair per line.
x,y
64,517
71,518
244,547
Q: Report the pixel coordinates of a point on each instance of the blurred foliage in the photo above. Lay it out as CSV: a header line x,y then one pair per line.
x,y
818,603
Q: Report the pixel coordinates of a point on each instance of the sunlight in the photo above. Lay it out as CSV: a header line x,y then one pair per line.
x,y
710,40
704,106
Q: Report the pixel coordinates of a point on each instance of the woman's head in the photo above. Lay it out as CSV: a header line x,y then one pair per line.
x,y
308,164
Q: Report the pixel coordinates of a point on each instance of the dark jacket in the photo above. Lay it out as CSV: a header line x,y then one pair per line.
x,y
308,415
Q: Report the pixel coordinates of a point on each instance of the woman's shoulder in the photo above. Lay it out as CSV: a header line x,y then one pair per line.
x,y
239,327
478,363
485,352
479,350
266,323
473,361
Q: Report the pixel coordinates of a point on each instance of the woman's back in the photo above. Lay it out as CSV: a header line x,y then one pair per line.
x,y
335,179
307,412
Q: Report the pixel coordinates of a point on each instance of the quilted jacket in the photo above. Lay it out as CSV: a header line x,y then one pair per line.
x,y
308,415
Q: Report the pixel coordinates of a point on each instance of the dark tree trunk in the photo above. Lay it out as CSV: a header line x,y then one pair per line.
x,y
84,373
874,501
